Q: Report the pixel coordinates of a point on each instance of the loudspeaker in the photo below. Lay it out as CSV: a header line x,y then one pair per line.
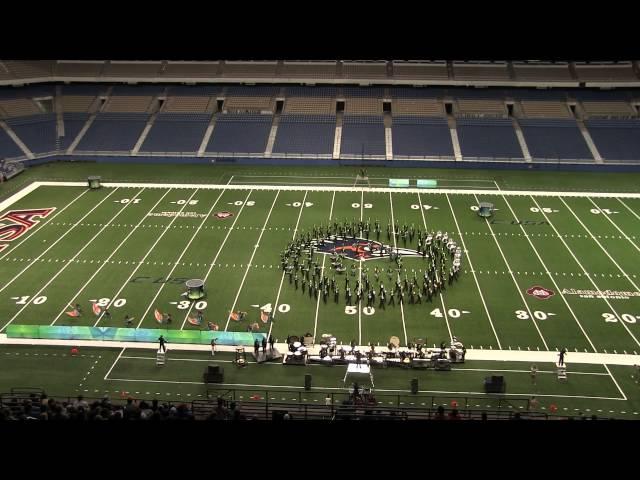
x,y
307,381
414,385
214,374
495,384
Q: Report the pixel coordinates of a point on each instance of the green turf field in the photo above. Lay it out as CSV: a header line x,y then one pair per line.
x,y
132,247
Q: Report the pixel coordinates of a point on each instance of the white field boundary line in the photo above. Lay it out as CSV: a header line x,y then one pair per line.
x,y
255,249
393,233
39,226
141,261
585,273
177,262
608,217
546,269
292,387
105,261
348,188
444,308
324,259
473,271
64,267
351,178
30,264
515,282
19,195
213,262
114,363
625,206
295,230
593,237
614,381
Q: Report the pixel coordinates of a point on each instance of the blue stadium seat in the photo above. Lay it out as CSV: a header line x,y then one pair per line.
x,y
176,132
363,135
8,148
37,132
305,134
240,134
555,139
113,132
488,138
73,123
421,137
616,140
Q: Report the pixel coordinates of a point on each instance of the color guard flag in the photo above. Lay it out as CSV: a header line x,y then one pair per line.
x,y
159,316
264,316
73,313
96,309
234,316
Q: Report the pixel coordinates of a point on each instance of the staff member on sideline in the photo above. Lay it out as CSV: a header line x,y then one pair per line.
x,y
162,344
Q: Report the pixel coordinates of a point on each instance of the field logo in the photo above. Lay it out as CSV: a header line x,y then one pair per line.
x,y
359,248
540,292
16,223
223,215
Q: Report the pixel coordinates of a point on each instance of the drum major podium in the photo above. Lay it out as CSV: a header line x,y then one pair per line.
x,y
358,369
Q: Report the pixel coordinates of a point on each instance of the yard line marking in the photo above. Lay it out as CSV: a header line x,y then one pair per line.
x,y
444,308
558,289
393,222
105,261
586,274
255,249
275,305
617,198
142,260
470,265
515,282
56,242
608,217
360,274
177,262
614,381
49,220
213,262
593,237
114,363
324,258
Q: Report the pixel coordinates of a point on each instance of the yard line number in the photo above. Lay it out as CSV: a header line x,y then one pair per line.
x,y
538,315
627,317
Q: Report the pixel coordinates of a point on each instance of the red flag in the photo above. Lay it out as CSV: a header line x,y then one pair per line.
x,y
234,316
159,316
264,316
96,309
194,321
73,313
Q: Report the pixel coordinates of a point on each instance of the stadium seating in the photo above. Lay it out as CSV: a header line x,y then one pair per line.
x,y
77,103
537,109
363,135
176,133
19,107
488,138
305,134
113,132
132,69
464,71
609,73
542,73
421,137
78,69
364,69
73,123
431,71
240,134
128,104
555,139
37,132
608,109
249,69
307,69
8,148
616,140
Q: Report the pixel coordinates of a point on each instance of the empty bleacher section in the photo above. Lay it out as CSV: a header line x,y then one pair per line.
x,y
543,73
128,104
257,91
329,92
191,69
411,92
30,69
9,148
194,90
409,70
176,132
240,134
73,123
185,104
363,135
366,92
77,103
488,72
616,140
363,106
132,69
113,132
249,69
608,109
308,69
37,132
536,109
417,106
364,69
249,105
31,91
310,106
305,134
555,139
481,108
415,136
491,138
78,69
606,73
19,107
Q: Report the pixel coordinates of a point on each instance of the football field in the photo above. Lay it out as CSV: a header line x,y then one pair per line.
x,y
549,270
